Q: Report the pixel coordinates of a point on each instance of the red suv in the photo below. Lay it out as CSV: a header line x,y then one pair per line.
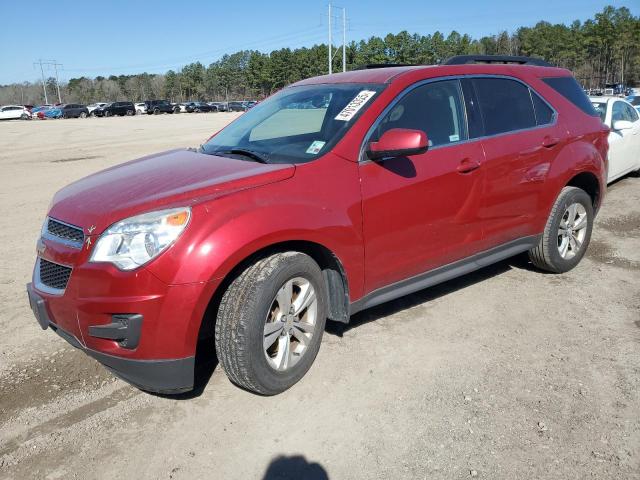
x,y
336,194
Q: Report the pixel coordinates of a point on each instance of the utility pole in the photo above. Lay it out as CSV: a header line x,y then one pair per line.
x,y
44,87
55,66
330,55
344,39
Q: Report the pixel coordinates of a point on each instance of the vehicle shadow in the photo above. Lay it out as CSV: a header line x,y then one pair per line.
x,y
294,468
429,294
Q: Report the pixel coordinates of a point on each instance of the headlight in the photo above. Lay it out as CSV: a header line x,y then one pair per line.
x,y
134,241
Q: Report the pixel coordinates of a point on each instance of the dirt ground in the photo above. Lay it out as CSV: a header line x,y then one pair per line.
x,y
505,373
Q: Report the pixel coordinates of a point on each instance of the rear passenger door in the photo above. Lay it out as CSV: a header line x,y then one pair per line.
x,y
521,137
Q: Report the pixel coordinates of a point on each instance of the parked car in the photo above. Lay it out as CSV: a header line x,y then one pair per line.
x,y
160,106
141,108
74,110
219,106
201,107
186,107
236,107
38,112
409,177
93,106
624,137
54,111
115,109
14,112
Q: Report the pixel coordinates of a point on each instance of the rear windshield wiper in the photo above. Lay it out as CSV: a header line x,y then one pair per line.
x,y
244,152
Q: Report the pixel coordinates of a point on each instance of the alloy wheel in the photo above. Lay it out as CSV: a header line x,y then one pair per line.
x,y
290,323
572,230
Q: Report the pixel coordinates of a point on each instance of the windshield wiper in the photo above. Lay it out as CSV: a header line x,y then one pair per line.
x,y
244,152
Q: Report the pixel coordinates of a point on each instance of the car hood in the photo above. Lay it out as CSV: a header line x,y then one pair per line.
x,y
165,180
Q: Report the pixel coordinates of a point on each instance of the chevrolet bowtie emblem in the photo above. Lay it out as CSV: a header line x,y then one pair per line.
x,y
88,242
91,229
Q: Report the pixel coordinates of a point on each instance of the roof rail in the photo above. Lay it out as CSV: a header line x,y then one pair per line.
x,y
385,65
464,59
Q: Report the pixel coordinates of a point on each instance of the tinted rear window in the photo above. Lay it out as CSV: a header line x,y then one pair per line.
x,y
569,88
505,105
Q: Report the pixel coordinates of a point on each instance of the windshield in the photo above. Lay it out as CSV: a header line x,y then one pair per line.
x,y
297,124
601,108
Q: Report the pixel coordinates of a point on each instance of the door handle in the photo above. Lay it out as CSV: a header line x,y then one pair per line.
x,y
550,142
467,166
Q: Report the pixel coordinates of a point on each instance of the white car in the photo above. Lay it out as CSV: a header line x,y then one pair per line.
x,y
141,108
93,106
624,138
14,112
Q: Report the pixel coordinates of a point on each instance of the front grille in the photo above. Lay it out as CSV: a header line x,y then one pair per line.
x,y
53,275
66,232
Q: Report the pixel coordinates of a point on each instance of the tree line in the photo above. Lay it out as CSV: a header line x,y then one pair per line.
x,y
604,49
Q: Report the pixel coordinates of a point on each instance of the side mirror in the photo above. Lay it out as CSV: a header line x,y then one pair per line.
x,y
398,142
622,125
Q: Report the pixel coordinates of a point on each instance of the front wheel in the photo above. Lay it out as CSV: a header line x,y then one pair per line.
x,y
567,232
83,114
270,323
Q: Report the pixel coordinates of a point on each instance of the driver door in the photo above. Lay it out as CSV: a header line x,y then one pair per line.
x,y
421,212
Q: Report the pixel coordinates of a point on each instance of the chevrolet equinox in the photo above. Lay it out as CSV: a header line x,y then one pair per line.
x,y
336,194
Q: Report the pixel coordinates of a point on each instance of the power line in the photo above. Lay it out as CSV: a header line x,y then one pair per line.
x,y
312,33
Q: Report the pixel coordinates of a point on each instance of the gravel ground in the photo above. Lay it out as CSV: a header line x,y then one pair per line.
x,y
505,373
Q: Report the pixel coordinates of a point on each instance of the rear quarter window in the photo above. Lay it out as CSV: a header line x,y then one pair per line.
x,y
569,88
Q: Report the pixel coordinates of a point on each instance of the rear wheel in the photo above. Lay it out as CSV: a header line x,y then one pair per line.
x,y
270,323
106,113
567,233
83,114
156,111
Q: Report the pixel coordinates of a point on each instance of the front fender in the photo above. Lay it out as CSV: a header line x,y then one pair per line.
x,y
225,231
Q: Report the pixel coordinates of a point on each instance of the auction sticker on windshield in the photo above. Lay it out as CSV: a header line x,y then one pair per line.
x,y
315,147
355,105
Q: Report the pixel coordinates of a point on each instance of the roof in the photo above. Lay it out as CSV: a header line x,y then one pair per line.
x,y
389,74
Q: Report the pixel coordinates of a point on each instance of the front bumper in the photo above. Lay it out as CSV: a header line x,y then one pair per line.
x,y
160,376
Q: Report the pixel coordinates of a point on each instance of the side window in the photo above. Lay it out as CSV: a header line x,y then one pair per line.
x,y
618,112
630,113
544,114
505,105
435,108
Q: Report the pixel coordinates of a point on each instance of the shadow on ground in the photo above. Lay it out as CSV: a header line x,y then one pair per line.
x,y
294,468
429,294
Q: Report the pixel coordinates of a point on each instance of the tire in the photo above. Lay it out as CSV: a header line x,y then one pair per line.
x,y
156,111
24,116
83,114
559,230
251,305
106,113
130,113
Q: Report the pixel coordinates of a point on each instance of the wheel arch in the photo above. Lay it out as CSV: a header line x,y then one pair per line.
x,y
588,182
333,273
